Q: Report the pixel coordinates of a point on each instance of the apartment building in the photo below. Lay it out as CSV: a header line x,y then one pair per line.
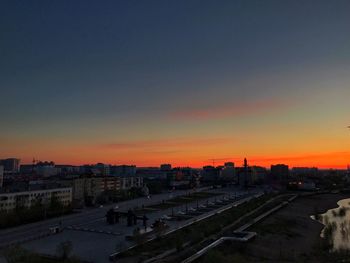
x,y
9,201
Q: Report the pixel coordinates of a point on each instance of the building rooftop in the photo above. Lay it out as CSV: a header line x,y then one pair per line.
x,y
25,186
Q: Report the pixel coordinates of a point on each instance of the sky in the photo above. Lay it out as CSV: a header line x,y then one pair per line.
x,y
181,82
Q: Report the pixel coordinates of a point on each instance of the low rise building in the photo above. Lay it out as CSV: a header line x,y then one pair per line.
x,y
11,200
11,165
259,174
304,172
165,167
123,170
128,182
87,188
152,173
1,176
66,169
210,173
228,172
46,170
279,174
99,169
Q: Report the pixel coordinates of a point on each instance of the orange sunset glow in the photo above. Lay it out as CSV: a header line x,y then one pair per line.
x,y
271,92
194,131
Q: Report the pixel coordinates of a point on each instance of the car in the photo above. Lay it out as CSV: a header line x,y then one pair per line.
x,y
166,217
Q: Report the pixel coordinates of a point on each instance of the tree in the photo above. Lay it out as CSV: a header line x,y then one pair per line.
x,y
64,250
159,228
101,199
138,237
135,192
15,254
20,255
179,242
155,187
55,203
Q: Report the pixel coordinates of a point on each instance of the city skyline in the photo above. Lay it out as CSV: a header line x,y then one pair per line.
x,y
293,162
176,82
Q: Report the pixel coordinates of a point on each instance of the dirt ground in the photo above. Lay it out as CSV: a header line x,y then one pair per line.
x,y
290,235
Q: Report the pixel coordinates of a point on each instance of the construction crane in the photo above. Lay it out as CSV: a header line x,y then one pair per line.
x,y
218,160
35,161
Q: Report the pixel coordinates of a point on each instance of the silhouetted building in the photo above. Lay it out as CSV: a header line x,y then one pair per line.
x,y
210,173
304,172
259,174
11,165
86,189
347,176
152,173
1,176
101,169
228,172
306,185
244,174
66,169
46,169
123,170
279,174
27,169
183,178
165,167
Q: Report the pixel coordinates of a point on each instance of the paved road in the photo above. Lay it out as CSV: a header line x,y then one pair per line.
x,y
31,231
95,246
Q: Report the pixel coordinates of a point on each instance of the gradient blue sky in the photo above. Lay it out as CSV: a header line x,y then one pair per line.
x,y
175,81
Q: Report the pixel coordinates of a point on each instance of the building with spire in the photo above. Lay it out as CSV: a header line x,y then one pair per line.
x,y
244,175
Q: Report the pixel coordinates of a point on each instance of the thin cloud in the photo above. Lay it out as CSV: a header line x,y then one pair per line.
x,y
164,143
234,110
303,157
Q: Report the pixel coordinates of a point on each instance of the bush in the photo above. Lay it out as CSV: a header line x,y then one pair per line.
x,y
64,250
37,212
